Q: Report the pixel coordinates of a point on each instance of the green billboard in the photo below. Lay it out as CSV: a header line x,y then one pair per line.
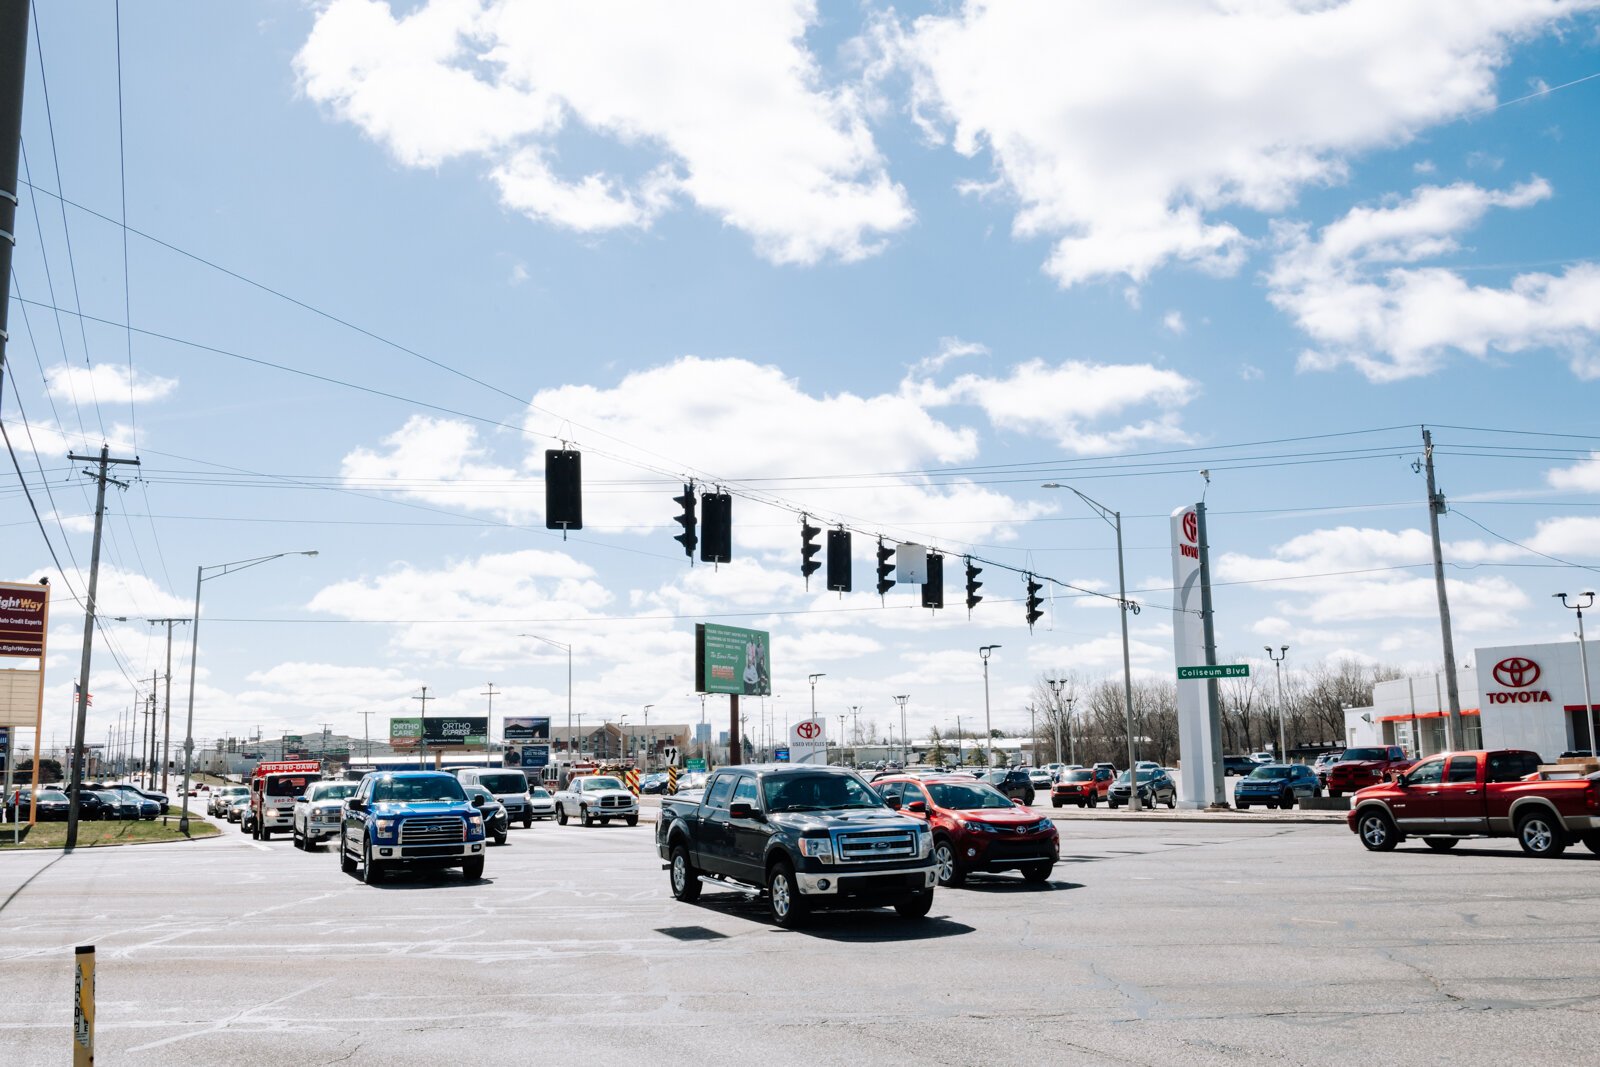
x,y
731,659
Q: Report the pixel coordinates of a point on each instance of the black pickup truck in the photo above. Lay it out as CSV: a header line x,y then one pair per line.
x,y
805,837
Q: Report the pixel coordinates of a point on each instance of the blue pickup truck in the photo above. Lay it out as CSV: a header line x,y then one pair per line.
x,y
410,819
804,837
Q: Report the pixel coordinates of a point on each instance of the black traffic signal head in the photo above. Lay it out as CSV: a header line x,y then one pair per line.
x,y
687,520
973,585
808,549
716,516
885,568
933,588
839,560
1035,609
563,489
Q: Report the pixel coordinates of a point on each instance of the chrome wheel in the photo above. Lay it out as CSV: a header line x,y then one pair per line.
x,y
680,873
1539,835
1377,833
944,862
782,902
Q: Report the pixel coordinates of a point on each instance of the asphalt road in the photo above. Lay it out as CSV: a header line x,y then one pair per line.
x,y
1153,944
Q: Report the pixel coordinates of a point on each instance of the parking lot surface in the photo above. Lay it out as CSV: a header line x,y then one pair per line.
x,y
1152,944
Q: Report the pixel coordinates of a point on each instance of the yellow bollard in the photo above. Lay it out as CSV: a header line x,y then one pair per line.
x,y
83,1009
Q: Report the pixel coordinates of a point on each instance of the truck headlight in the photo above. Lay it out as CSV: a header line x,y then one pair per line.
x,y
384,827
924,844
817,848
475,822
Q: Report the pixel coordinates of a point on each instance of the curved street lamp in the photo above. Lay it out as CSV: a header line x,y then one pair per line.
x,y
200,575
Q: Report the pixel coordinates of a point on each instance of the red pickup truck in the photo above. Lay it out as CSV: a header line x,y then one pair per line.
x,y
1501,793
1361,767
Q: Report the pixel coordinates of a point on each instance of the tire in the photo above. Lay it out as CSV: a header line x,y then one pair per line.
x,y
561,815
784,902
527,821
1287,803
604,821
1592,841
1377,831
500,839
472,869
916,906
1094,800
346,864
1336,793
685,880
1172,802
370,871
1037,873
1241,805
631,820
295,838
948,869
588,820
1440,844
1112,804
1054,803
1541,834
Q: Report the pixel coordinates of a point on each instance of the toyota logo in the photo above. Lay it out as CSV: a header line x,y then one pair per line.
x,y
809,730
1516,672
1191,527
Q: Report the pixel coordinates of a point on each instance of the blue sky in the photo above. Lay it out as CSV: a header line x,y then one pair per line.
x,y
846,258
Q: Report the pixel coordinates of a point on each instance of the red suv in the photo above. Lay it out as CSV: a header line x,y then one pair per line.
x,y
1360,767
975,828
1083,786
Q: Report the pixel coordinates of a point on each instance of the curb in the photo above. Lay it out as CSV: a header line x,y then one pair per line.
x,y
1206,817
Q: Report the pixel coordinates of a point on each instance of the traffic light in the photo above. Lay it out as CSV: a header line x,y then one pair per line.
x,y
716,541
973,585
839,560
563,489
1035,606
885,568
933,588
808,549
687,539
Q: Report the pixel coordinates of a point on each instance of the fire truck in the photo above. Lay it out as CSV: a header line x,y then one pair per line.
x,y
273,787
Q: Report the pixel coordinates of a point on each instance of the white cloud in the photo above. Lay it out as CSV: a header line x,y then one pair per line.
x,y
440,461
1065,401
1122,143
1346,288
1172,321
1584,476
109,385
725,97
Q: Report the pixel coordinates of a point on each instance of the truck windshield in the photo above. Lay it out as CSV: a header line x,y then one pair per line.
x,y
504,782
434,789
817,792
592,784
288,785
333,791
1079,776
1365,754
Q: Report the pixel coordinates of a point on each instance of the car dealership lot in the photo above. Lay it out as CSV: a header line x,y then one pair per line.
x,y
1153,943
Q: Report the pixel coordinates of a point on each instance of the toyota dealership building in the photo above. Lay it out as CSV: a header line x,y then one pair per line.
x,y
1515,696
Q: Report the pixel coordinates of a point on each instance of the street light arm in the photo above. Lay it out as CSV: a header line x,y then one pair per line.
x,y
1105,513
245,564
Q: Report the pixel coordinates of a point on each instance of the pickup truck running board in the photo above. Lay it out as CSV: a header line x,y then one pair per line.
x,y
748,890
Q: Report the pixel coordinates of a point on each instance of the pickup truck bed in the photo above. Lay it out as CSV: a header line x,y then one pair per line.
x,y
1499,793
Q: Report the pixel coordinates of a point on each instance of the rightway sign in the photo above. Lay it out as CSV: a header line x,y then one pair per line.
x,y
1221,670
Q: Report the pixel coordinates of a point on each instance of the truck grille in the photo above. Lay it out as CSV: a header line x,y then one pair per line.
x,y
870,845
440,829
616,802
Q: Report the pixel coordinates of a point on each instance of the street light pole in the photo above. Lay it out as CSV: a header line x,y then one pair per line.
x,y
643,764
813,679
194,649
1114,518
1583,658
988,727
1277,664
568,650
901,700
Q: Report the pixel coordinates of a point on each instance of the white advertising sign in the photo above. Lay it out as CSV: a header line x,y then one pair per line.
x,y
808,742
1188,640
911,564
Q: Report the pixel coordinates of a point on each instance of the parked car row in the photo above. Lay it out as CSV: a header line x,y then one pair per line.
x,y
97,800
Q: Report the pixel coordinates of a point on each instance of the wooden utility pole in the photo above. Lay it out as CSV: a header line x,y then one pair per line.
x,y
13,64
77,754
1436,507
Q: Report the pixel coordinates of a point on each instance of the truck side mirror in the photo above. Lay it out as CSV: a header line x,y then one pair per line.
x,y
353,803
478,802
917,807
742,809
300,799
893,802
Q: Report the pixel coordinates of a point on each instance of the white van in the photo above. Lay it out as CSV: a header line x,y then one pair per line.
x,y
509,786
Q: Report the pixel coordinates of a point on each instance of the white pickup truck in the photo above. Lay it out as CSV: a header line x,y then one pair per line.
x,y
599,798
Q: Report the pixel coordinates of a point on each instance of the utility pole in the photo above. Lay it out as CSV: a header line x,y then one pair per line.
x,y
81,718
961,752
841,739
901,700
150,767
423,728
166,740
324,740
1436,507
13,68
366,732
489,692
988,727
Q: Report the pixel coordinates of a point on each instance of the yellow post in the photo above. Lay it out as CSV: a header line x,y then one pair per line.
x,y
83,1009
672,779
